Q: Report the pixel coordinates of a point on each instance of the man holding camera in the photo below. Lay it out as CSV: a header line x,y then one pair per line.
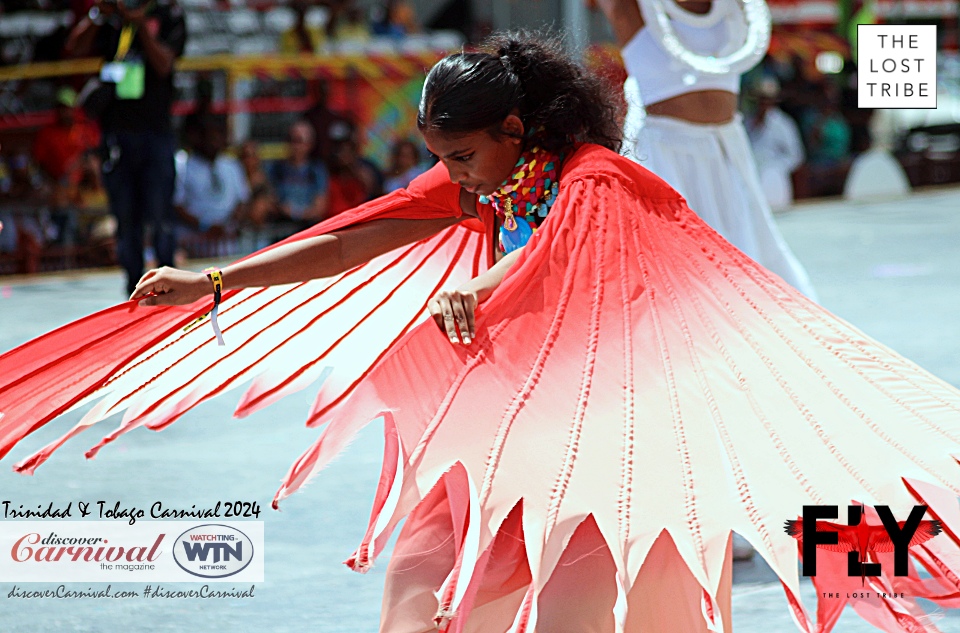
x,y
139,41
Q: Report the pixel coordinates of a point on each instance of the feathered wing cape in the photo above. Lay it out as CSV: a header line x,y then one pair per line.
x,y
637,389
156,363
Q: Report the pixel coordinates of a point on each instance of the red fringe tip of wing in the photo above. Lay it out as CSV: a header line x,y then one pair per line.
x,y
47,376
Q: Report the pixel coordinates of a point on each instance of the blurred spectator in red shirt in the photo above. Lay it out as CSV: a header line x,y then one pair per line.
x,y
62,151
353,180
59,147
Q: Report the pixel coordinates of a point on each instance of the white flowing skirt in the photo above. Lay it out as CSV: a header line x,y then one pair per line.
x,y
712,167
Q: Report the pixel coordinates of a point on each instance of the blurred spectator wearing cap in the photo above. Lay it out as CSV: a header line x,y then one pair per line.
x,y
211,194
300,182
777,146
61,150
404,165
139,40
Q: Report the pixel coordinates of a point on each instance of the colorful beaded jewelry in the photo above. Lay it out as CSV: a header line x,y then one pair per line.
x,y
528,193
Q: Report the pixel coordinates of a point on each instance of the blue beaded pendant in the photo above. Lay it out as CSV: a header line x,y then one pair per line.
x,y
511,240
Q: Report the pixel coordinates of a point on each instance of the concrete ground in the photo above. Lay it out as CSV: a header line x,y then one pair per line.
x,y
888,267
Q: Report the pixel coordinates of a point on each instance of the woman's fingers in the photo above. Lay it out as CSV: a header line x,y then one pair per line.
x,y
460,315
161,296
169,286
454,314
470,307
442,314
446,312
433,306
139,291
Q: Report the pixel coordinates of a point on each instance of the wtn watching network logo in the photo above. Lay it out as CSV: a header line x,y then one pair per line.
x,y
213,551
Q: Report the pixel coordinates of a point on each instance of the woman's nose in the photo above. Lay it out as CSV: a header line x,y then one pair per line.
x,y
458,175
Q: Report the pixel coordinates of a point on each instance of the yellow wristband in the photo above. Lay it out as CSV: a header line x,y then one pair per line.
x,y
216,276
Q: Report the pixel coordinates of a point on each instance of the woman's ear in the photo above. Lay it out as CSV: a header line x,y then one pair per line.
x,y
512,127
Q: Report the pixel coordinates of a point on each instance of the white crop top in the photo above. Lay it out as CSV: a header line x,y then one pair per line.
x,y
660,76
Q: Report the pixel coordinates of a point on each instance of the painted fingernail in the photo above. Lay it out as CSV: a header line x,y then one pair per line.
x,y
466,340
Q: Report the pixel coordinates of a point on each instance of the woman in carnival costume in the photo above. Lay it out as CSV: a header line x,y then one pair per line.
x,y
599,409
684,59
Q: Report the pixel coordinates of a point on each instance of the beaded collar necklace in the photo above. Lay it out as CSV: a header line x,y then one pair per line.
x,y
528,195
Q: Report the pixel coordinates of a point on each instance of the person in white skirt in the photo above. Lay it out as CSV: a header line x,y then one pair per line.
x,y
684,59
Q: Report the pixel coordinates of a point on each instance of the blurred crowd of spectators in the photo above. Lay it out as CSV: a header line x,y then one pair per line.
x,y
231,202
93,188
344,22
37,30
805,128
41,190
227,200
57,197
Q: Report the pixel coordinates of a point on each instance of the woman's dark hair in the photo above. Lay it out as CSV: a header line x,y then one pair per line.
x,y
525,72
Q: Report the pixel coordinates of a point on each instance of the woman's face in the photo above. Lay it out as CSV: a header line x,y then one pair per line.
x,y
479,161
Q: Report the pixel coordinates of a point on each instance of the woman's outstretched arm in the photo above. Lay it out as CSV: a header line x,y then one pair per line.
x,y
310,258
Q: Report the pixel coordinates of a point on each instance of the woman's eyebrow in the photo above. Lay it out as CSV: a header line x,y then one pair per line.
x,y
456,152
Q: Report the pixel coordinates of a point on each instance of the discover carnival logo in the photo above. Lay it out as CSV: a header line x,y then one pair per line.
x,y
213,551
112,551
54,548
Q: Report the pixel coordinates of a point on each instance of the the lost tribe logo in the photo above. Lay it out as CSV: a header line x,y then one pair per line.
x,y
858,539
213,551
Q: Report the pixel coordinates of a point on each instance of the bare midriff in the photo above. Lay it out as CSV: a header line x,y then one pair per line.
x,y
703,106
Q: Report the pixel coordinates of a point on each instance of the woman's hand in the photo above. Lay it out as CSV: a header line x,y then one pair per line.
x,y
453,309
172,287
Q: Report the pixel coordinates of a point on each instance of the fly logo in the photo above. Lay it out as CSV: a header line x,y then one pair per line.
x,y
213,551
859,540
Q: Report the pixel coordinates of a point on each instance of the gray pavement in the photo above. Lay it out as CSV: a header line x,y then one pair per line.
x,y
888,267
